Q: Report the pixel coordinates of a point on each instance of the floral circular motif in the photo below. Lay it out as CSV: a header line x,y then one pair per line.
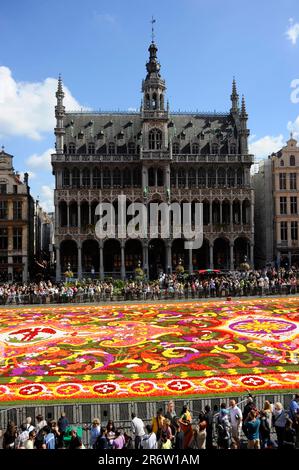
x,y
179,386
142,387
216,383
68,390
105,388
3,390
253,381
31,390
263,326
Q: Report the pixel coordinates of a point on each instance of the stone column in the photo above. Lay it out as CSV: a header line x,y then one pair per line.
x,y
220,204
167,176
122,254
101,261
57,217
168,257
156,177
211,256
58,266
252,254
190,267
79,273
231,220
89,213
79,216
231,249
68,215
144,177
241,212
25,268
145,258
211,212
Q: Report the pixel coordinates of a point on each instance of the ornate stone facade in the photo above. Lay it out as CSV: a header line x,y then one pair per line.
x,y
16,223
152,155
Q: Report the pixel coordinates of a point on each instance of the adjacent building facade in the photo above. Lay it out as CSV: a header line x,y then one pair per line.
x,y
285,164
16,223
277,218
153,155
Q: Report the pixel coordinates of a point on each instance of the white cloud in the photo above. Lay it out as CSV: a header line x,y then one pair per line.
x,y
293,126
292,32
47,198
264,146
104,18
27,108
42,161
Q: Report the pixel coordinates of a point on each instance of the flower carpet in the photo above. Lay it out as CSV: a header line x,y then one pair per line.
x,y
148,351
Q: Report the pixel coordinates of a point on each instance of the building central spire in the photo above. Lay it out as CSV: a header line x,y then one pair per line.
x,y
153,21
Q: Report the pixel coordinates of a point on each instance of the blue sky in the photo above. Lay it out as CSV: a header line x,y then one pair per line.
x,y
100,48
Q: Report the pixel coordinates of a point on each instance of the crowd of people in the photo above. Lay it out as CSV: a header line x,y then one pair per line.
x,y
228,427
268,281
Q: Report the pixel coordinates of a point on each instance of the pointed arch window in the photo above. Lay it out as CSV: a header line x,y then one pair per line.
x,y
202,181
116,178
127,178
182,178
240,177
155,139
211,178
221,177
154,101
86,177
106,178
96,178
192,178
230,178
66,177
136,177
76,178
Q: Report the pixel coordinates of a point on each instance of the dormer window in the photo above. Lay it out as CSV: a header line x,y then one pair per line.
x,y
195,149
72,149
131,148
292,160
175,148
215,149
111,148
281,163
91,148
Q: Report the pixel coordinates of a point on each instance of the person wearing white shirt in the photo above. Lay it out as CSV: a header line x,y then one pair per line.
x,y
235,417
149,440
137,427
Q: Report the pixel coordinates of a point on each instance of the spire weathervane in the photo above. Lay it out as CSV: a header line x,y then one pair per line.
x,y
153,32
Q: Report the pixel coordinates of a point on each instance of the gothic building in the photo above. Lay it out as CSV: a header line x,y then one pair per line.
x,y
152,155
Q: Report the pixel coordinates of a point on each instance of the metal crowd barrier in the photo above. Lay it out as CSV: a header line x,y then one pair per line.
x,y
163,294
